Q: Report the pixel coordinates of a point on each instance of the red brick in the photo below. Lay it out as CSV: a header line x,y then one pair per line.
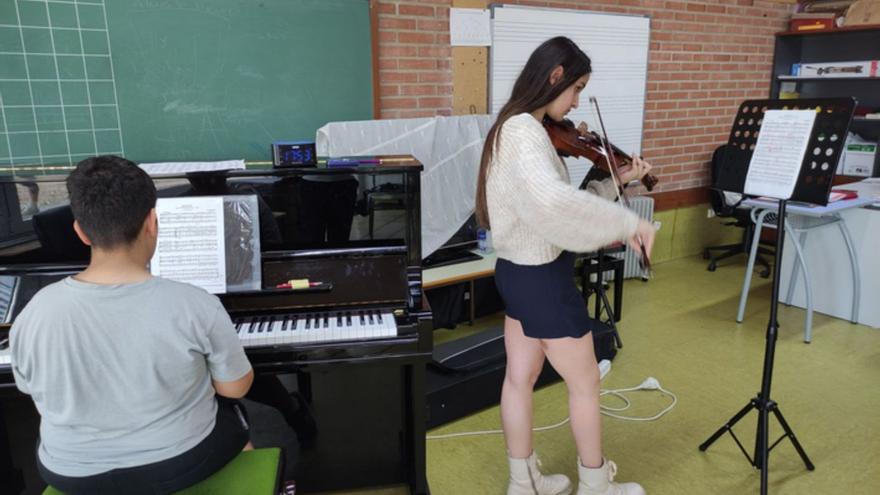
x,y
417,63
420,38
433,25
398,102
388,90
392,23
435,77
411,90
435,102
398,51
387,64
392,76
435,51
415,10
386,8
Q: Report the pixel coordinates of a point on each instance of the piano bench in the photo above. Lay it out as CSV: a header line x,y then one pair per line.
x,y
255,472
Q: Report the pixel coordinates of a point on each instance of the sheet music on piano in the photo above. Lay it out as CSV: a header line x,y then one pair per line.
x,y
209,241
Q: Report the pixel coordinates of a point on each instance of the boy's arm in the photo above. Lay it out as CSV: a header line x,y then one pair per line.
x,y
235,389
231,372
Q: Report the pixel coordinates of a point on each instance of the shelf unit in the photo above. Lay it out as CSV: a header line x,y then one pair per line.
x,y
833,45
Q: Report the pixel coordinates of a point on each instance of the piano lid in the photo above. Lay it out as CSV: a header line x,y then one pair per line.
x,y
371,205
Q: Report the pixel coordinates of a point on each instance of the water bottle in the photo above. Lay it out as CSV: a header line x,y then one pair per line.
x,y
484,241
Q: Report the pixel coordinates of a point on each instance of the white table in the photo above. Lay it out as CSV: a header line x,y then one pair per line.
x,y
800,220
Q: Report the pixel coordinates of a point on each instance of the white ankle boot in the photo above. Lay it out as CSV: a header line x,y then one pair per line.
x,y
527,479
600,481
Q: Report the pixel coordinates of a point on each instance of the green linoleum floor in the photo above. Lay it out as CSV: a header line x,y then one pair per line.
x,y
680,328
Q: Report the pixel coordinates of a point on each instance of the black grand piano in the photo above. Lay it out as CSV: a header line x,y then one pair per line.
x,y
355,348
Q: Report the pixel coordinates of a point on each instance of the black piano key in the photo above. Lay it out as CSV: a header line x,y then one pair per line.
x,y
372,321
261,325
348,318
379,316
308,322
251,325
338,319
361,314
295,322
286,324
326,320
238,327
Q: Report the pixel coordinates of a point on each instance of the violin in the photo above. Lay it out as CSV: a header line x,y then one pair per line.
x,y
568,141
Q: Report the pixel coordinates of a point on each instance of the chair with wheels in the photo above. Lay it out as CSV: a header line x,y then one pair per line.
x,y
725,204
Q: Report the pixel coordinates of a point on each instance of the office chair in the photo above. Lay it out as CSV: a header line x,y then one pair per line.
x,y
726,205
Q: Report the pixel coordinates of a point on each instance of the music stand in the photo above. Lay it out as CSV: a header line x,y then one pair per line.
x,y
813,185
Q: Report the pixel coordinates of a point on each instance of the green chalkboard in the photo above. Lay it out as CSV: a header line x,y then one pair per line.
x,y
161,80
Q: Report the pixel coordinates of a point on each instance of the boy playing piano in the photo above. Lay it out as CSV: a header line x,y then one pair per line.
x,y
132,375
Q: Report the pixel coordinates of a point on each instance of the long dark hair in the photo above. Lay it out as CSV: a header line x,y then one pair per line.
x,y
531,91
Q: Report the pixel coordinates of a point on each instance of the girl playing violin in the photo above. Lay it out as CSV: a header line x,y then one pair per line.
x,y
538,220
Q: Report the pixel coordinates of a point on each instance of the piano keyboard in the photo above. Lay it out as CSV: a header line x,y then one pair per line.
x,y
254,331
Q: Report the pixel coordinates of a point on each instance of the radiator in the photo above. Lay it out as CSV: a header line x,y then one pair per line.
x,y
644,207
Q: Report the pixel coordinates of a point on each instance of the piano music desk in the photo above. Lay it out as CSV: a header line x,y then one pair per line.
x,y
468,271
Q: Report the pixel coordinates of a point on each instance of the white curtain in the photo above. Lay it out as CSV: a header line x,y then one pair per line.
x,y
448,147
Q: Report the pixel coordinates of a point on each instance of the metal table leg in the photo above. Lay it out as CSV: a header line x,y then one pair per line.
x,y
854,262
753,253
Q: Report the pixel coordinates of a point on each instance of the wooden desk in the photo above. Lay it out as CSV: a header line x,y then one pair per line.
x,y
468,271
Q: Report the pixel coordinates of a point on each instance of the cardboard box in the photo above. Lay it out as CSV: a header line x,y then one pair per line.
x,y
863,12
862,68
858,159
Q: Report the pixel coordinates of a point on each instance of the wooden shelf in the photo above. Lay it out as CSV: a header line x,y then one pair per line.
x,y
845,29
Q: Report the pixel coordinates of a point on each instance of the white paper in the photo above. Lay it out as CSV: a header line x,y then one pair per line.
x,y
469,27
779,153
170,168
191,245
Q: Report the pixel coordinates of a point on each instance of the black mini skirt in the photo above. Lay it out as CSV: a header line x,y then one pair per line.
x,y
544,298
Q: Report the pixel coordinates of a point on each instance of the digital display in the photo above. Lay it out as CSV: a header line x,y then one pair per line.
x,y
294,154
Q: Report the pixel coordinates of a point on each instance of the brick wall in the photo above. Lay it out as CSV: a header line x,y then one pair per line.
x,y
705,58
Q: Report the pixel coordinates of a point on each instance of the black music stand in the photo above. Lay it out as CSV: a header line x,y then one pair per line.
x,y
813,185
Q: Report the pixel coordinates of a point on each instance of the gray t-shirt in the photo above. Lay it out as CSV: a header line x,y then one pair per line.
x,y
121,374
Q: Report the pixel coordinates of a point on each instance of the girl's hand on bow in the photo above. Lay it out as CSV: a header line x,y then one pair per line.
x,y
644,236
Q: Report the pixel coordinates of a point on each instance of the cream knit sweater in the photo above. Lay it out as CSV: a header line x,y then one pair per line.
x,y
534,211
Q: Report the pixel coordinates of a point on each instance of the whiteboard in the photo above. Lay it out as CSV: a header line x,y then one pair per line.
x,y
617,46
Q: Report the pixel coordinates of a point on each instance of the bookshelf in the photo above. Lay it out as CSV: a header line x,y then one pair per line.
x,y
832,45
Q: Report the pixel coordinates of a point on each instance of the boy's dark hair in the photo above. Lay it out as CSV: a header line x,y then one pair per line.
x,y
531,91
110,198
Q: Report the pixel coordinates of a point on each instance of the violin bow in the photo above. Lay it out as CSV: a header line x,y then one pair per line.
x,y
621,196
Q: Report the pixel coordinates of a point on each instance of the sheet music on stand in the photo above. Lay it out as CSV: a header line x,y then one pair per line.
x,y
821,153
779,152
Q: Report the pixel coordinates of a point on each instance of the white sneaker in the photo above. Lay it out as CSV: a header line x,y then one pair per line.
x,y
526,479
600,481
